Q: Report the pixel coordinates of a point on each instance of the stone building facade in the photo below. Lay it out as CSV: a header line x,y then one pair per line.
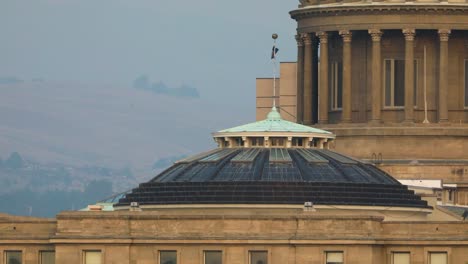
x,y
273,192
389,78
286,236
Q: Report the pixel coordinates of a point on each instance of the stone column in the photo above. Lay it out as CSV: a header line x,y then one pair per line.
x,y
323,88
346,113
409,74
443,74
376,35
307,79
300,79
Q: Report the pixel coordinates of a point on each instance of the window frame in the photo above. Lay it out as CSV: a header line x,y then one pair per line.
x,y
212,250
465,84
42,251
429,253
167,250
392,260
257,142
5,253
334,251
267,252
92,250
416,84
334,84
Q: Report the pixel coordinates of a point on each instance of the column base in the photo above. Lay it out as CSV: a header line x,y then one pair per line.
x,y
443,121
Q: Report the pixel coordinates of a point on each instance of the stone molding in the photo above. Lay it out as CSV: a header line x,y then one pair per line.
x,y
353,9
376,34
444,34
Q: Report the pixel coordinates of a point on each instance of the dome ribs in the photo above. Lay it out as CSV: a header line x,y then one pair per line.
x,y
274,193
336,180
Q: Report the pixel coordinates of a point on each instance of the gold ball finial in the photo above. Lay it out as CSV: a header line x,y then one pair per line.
x,y
274,36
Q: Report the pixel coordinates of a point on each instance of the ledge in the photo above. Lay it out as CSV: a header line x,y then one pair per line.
x,y
343,130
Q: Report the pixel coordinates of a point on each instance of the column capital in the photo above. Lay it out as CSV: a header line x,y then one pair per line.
x,y
409,33
346,35
376,34
307,38
444,34
323,36
299,40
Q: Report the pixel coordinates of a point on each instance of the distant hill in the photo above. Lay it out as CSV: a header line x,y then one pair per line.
x,y
64,145
184,91
105,125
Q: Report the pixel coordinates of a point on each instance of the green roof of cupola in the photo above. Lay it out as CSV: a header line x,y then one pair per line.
x,y
274,123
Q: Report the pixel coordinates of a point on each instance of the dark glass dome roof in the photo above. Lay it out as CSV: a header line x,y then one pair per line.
x,y
273,176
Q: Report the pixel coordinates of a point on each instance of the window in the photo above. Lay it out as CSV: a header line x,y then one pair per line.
x,y
47,257
238,142
92,257
437,257
415,83
466,83
277,142
297,142
394,82
336,85
258,257
257,142
167,257
14,257
400,258
334,258
213,257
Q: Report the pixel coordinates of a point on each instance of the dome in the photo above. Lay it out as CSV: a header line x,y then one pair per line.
x,y
272,176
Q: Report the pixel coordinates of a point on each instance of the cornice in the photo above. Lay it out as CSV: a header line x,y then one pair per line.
x,y
324,10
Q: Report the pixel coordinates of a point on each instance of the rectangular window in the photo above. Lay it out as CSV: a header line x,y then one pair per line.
x,y
438,258
213,257
297,142
47,257
258,257
168,257
277,142
14,257
334,258
92,257
400,258
257,142
394,82
415,84
466,83
336,85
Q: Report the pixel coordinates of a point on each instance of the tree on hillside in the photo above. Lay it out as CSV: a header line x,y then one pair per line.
x,y
14,161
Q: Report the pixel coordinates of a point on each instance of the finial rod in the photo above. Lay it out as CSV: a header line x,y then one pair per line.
x,y
273,60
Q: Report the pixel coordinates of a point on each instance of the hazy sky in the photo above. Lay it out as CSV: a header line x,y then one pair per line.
x,y
216,46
